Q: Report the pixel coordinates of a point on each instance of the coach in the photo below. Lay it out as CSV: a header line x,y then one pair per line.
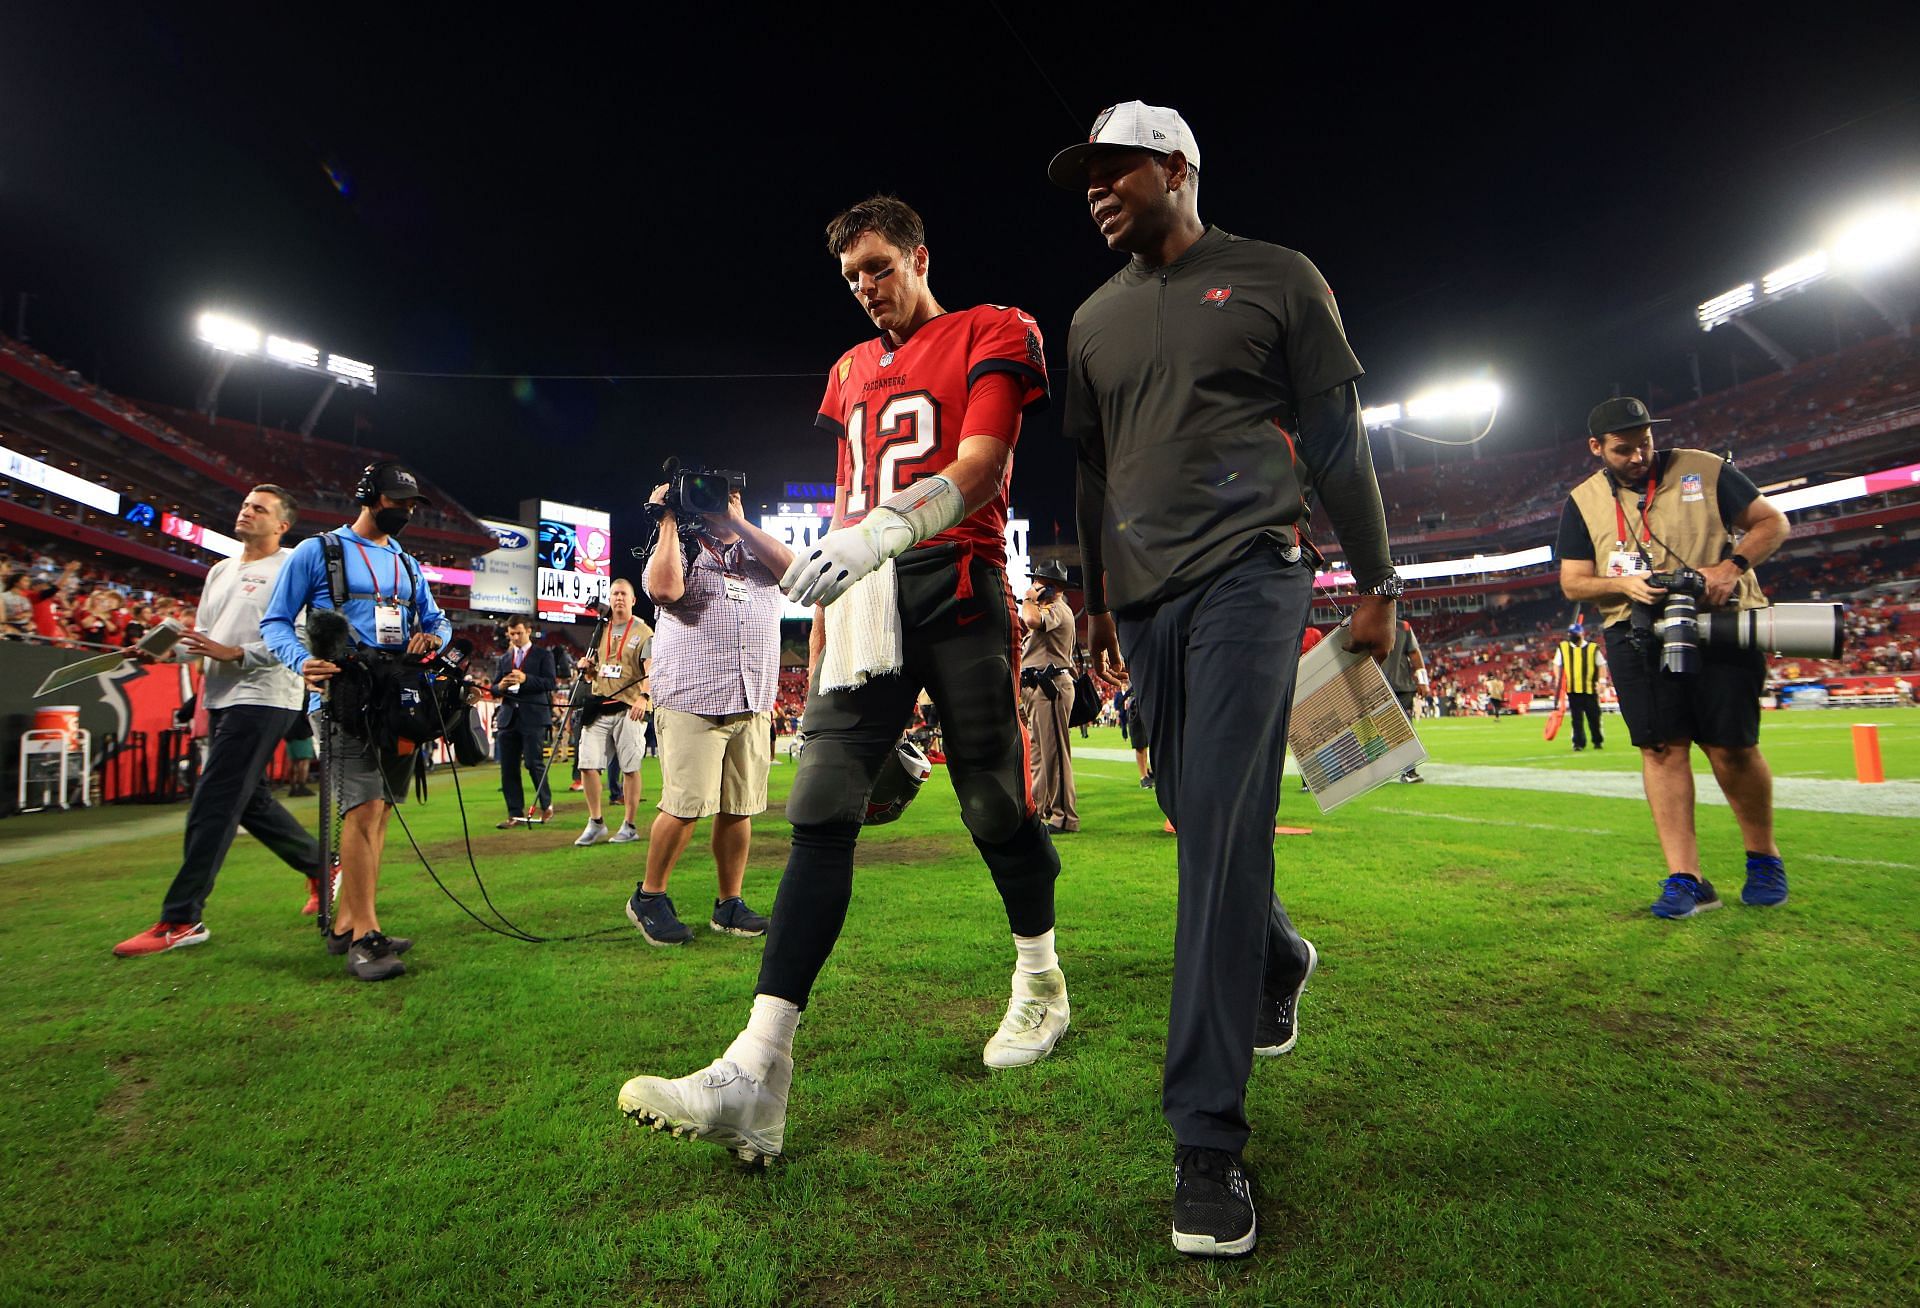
x,y
1209,384
1648,511
523,683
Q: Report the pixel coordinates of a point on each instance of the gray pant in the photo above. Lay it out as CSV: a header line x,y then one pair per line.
x,y
1215,670
232,794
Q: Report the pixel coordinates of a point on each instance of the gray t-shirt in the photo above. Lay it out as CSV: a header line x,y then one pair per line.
x,y
231,606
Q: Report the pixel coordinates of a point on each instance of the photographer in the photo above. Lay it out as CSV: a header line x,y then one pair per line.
x,y
1646,522
715,580
1046,696
523,683
391,612
613,723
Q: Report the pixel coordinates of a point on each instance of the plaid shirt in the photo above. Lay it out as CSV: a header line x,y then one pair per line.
x,y
713,655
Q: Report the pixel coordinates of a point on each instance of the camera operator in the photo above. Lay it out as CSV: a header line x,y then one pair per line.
x,y
523,683
614,719
251,701
1630,536
1046,696
716,672
391,611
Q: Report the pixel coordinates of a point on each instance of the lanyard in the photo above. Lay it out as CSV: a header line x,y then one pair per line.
x,y
396,573
625,636
1619,514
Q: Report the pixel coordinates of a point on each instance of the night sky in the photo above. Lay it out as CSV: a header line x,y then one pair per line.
x,y
1544,198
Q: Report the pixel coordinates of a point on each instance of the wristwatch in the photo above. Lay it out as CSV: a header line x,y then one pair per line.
x,y
1391,588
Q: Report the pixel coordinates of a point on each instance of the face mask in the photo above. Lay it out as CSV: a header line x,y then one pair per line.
x,y
392,521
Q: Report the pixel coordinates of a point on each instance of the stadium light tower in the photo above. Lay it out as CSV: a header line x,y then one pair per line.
x,y
231,339
1465,401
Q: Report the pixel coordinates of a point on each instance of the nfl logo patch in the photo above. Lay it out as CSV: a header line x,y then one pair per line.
x,y
1691,487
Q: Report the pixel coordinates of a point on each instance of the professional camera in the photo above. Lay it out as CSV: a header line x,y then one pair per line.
x,y
1813,631
694,491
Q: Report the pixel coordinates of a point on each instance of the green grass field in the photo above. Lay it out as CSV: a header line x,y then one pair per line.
x,y
1512,1085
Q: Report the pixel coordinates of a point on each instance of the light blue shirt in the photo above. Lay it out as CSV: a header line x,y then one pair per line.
x,y
303,584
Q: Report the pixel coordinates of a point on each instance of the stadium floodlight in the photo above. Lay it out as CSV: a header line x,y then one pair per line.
x,y
1796,273
352,370
229,334
1878,238
1721,308
286,351
1465,400
1380,415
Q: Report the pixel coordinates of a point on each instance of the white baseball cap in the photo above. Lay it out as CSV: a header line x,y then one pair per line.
x,y
1133,124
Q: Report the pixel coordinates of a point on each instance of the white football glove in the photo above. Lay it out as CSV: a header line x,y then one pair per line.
x,y
832,568
829,570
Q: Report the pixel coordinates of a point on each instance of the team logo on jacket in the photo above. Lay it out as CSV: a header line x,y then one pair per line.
x,y
1691,488
1218,295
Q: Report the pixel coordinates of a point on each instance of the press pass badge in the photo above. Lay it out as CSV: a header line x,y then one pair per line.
x,y
389,628
736,588
1626,563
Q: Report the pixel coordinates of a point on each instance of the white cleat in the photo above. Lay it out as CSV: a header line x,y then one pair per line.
x,y
626,835
1037,1015
720,1103
596,832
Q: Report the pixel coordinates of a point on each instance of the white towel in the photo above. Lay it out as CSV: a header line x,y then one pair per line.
x,y
863,633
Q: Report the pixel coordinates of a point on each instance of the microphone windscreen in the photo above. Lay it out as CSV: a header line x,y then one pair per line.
x,y
329,634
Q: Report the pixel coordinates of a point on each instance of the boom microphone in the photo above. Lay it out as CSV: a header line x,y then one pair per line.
x,y
329,635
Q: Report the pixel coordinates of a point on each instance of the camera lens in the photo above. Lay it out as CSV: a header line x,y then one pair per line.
x,y
1679,634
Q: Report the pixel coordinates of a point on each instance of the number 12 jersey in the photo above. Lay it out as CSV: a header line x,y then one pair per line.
x,y
901,413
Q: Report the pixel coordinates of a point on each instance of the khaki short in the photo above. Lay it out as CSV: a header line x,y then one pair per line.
x,y
615,736
713,764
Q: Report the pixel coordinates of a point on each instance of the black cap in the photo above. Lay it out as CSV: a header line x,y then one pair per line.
x,y
397,483
1051,570
1621,413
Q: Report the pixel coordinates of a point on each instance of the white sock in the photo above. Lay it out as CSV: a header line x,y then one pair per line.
x,y
769,1036
1035,954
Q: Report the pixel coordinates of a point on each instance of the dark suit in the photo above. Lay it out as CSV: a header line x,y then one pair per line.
x,y
520,727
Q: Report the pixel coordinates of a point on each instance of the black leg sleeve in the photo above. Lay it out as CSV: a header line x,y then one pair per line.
x,y
809,910
1024,870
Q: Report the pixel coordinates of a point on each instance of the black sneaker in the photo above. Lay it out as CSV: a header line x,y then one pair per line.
x,y
373,958
655,917
732,917
1213,1213
1277,1028
1146,782
338,944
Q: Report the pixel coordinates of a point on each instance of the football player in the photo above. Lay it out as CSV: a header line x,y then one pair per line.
x,y
926,414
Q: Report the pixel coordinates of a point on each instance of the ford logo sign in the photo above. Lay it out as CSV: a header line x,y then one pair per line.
x,y
509,540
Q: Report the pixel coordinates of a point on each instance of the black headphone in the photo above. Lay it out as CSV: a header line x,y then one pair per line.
x,y
367,492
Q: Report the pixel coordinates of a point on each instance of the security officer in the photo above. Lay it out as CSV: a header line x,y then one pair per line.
x,y
1046,696
1577,663
1647,512
1406,672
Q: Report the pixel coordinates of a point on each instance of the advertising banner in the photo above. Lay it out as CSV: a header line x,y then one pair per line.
x,y
505,579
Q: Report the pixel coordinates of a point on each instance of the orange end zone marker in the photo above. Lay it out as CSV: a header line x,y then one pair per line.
x,y
1866,753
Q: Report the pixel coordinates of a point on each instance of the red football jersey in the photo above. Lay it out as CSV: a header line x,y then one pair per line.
x,y
901,414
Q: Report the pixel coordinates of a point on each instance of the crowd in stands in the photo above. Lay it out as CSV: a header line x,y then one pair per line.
x,y
67,600
1757,420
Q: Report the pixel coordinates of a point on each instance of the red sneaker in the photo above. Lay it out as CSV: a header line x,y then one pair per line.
x,y
313,898
162,936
